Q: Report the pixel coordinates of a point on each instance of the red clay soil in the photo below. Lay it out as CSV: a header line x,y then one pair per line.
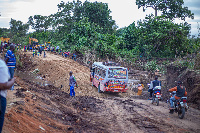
x,y
36,108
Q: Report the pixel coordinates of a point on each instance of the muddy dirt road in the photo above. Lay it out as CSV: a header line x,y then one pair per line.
x,y
37,108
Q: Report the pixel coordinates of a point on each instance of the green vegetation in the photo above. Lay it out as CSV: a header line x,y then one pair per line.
x,y
88,28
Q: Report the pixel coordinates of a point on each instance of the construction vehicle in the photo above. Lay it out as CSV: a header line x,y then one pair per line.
x,y
35,41
5,40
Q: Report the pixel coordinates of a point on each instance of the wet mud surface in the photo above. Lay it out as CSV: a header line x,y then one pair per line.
x,y
50,108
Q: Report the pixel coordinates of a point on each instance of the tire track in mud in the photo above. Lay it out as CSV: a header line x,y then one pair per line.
x,y
128,119
113,114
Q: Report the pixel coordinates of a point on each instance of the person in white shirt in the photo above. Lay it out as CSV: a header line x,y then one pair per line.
x,y
5,84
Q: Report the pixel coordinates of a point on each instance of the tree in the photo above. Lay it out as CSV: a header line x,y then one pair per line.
x,y
18,31
99,13
170,8
17,27
4,32
39,22
159,37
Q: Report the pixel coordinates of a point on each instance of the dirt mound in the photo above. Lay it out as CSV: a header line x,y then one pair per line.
x,y
190,79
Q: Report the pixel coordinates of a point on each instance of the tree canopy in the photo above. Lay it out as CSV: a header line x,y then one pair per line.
x,y
170,8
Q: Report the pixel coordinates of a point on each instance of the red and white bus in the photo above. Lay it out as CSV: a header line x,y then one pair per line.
x,y
109,77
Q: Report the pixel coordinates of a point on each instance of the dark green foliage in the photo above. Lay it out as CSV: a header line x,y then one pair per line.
x,y
4,32
157,37
18,31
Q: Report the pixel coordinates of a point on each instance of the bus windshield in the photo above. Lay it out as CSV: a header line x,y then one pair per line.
x,y
118,73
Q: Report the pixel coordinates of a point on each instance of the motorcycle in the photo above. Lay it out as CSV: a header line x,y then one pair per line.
x,y
180,105
157,96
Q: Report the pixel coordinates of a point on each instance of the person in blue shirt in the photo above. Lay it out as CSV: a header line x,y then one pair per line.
x,y
74,57
153,84
11,60
72,83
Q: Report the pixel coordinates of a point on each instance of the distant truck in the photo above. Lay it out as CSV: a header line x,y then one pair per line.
x,y
109,76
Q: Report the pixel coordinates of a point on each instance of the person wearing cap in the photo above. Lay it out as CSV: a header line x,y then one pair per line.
x,y
180,92
72,83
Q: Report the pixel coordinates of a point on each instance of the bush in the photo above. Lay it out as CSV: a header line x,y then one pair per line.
x,y
151,66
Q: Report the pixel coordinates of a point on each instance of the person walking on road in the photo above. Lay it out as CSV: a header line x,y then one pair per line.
x,y
5,84
72,83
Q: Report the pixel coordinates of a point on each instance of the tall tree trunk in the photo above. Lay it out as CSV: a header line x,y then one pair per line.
x,y
156,11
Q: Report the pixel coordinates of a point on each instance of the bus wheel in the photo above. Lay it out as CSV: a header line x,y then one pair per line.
x,y
99,88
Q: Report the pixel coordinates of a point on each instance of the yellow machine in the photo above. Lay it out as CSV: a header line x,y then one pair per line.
x,y
32,39
4,39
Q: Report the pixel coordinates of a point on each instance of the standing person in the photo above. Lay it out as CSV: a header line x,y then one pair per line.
x,y
74,57
33,52
72,83
38,53
41,50
140,88
11,61
65,54
5,84
31,48
68,54
57,48
62,52
17,47
44,54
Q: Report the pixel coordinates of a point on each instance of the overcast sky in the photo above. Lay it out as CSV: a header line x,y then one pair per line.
x,y
124,12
